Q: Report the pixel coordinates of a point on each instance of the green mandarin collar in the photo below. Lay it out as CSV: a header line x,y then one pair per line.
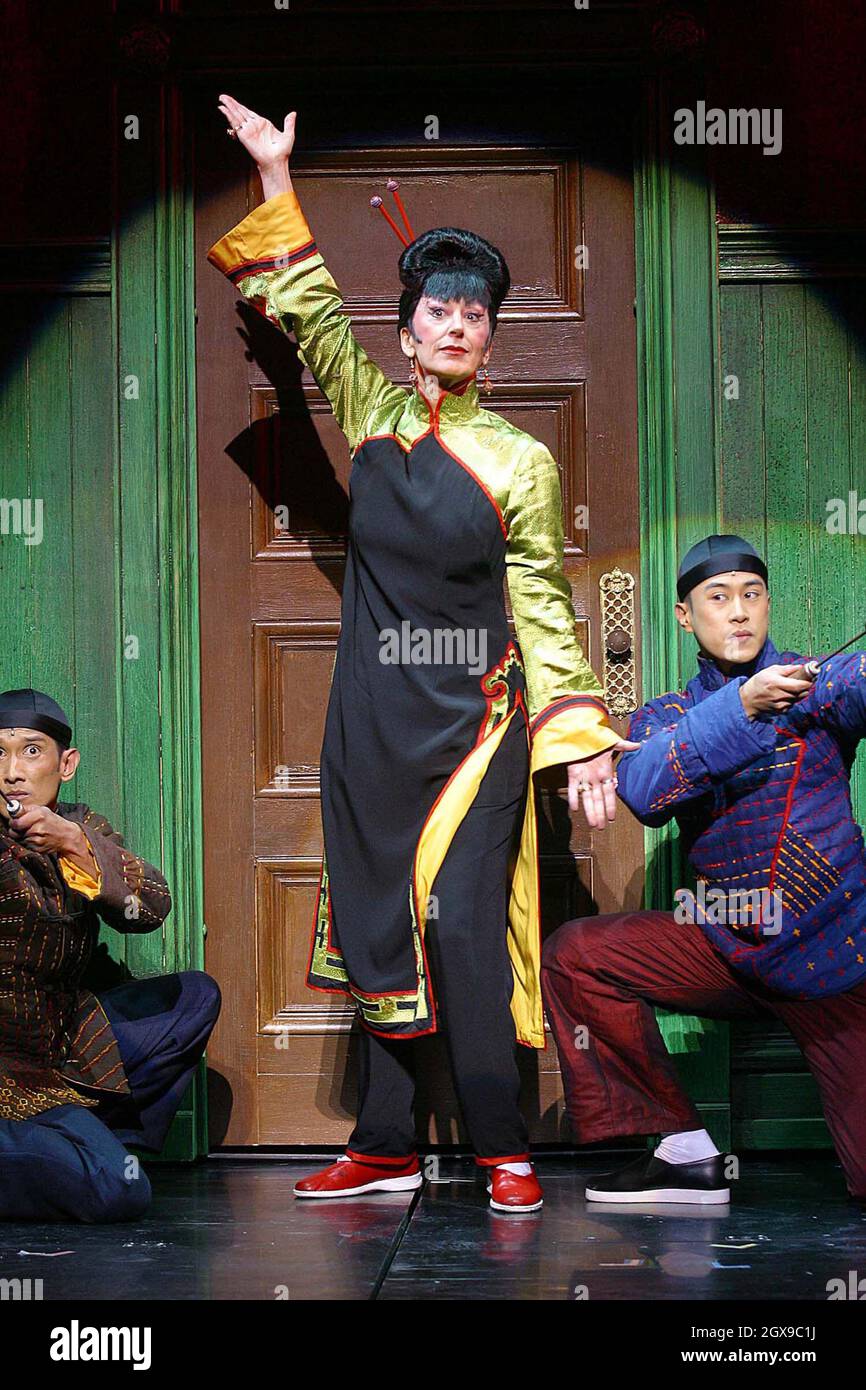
x,y
452,407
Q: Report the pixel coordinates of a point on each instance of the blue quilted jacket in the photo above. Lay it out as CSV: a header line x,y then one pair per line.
x,y
765,803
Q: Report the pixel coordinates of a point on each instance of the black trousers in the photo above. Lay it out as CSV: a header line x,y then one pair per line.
x,y
472,983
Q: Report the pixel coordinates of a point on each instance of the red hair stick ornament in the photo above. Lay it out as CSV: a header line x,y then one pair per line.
x,y
376,202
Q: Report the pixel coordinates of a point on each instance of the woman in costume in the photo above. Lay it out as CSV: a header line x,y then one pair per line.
x,y
428,911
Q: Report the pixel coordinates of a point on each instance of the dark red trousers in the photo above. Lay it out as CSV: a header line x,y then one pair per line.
x,y
601,978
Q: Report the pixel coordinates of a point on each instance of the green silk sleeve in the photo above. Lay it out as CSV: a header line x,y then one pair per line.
x,y
273,260
540,594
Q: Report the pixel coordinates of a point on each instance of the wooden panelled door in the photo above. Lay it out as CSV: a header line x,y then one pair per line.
x,y
273,470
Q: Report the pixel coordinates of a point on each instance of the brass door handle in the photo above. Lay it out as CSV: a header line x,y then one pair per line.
x,y
617,642
616,590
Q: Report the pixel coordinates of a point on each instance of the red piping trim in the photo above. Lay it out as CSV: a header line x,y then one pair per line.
x,y
434,429
281,262
328,942
487,493
386,435
349,990
566,702
315,923
477,744
427,976
537,867
381,1033
502,684
384,993
442,792
786,815
328,989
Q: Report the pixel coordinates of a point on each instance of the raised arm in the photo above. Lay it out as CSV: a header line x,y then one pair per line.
x,y
272,258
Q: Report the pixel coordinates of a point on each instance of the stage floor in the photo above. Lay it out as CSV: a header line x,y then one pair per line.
x,y
230,1228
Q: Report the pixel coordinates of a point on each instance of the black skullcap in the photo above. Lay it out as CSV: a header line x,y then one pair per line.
x,y
717,555
31,709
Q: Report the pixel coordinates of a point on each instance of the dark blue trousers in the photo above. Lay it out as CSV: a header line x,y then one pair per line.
x,y
69,1163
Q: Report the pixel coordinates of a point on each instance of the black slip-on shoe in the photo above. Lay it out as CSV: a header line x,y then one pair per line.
x,y
651,1179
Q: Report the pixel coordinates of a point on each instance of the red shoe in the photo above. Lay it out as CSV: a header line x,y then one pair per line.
x,y
510,1192
355,1177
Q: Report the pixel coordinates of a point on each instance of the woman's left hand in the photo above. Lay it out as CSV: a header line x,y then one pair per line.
x,y
592,784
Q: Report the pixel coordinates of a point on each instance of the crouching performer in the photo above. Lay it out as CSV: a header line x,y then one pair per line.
x,y
80,1076
753,760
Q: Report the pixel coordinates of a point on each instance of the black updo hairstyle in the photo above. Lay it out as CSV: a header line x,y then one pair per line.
x,y
450,263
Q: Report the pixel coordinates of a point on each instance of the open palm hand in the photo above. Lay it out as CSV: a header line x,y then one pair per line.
x,y
260,137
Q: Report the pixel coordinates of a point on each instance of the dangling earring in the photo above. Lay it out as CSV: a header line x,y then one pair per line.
x,y
413,375
485,376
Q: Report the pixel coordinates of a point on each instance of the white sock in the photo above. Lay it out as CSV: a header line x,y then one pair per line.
x,y
521,1169
689,1146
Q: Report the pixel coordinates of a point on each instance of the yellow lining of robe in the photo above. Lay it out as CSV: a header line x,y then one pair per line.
x,y
275,228
448,812
79,878
578,732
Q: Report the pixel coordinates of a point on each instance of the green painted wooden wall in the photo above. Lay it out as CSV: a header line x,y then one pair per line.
x,y
96,612
58,609
793,436
786,313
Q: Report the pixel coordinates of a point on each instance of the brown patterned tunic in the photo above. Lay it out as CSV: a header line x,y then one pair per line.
x,y
54,1035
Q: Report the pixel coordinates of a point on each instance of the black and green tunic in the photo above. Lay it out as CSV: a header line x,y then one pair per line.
x,y
446,503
